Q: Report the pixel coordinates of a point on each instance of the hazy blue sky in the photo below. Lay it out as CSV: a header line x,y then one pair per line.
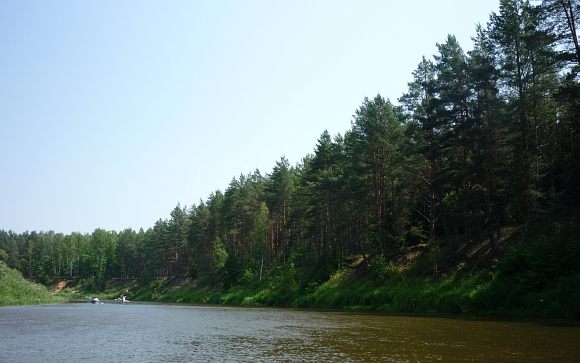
x,y
112,112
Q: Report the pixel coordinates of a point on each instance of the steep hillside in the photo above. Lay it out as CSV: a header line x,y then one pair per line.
x,y
15,290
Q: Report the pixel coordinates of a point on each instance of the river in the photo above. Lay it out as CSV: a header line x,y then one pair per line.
x,y
174,333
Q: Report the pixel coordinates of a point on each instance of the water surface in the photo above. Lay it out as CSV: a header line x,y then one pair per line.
x,y
173,333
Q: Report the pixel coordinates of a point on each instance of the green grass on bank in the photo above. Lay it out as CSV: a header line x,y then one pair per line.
x,y
15,290
83,289
538,279
481,293
536,275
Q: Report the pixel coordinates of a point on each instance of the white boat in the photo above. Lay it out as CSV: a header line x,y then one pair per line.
x,y
122,299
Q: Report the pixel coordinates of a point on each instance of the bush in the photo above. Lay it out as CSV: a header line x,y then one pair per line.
x,y
381,269
3,256
15,290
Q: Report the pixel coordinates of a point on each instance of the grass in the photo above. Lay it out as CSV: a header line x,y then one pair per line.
x,y
15,290
481,293
112,290
537,276
344,290
399,293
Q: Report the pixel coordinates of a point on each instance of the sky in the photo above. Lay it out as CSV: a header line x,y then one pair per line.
x,y
113,112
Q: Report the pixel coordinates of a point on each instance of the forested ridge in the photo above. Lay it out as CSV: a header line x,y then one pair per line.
x,y
474,170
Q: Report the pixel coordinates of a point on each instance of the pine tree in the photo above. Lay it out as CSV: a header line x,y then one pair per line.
x,y
278,189
419,108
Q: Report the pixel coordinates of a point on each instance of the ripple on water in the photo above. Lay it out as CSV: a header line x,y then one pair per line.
x,y
170,333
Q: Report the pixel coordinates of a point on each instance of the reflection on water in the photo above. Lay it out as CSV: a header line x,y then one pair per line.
x,y
172,333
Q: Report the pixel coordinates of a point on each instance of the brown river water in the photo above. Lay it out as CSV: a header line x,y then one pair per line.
x,y
174,333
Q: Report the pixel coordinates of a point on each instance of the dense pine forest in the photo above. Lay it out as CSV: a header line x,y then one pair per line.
x,y
474,170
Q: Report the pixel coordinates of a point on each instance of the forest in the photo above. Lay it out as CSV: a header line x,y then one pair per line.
x,y
482,149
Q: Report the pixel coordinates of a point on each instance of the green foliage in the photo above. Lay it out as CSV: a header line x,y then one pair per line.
x,y
3,256
232,271
541,276
381,270
15,290
481,143
429,261
220,256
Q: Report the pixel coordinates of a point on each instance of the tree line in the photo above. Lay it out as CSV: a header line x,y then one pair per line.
x,y
480,141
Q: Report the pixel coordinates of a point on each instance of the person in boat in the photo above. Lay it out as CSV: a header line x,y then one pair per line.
x,y
122,299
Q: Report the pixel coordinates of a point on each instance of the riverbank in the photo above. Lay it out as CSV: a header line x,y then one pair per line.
x,y
15,290
531,273
481,294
